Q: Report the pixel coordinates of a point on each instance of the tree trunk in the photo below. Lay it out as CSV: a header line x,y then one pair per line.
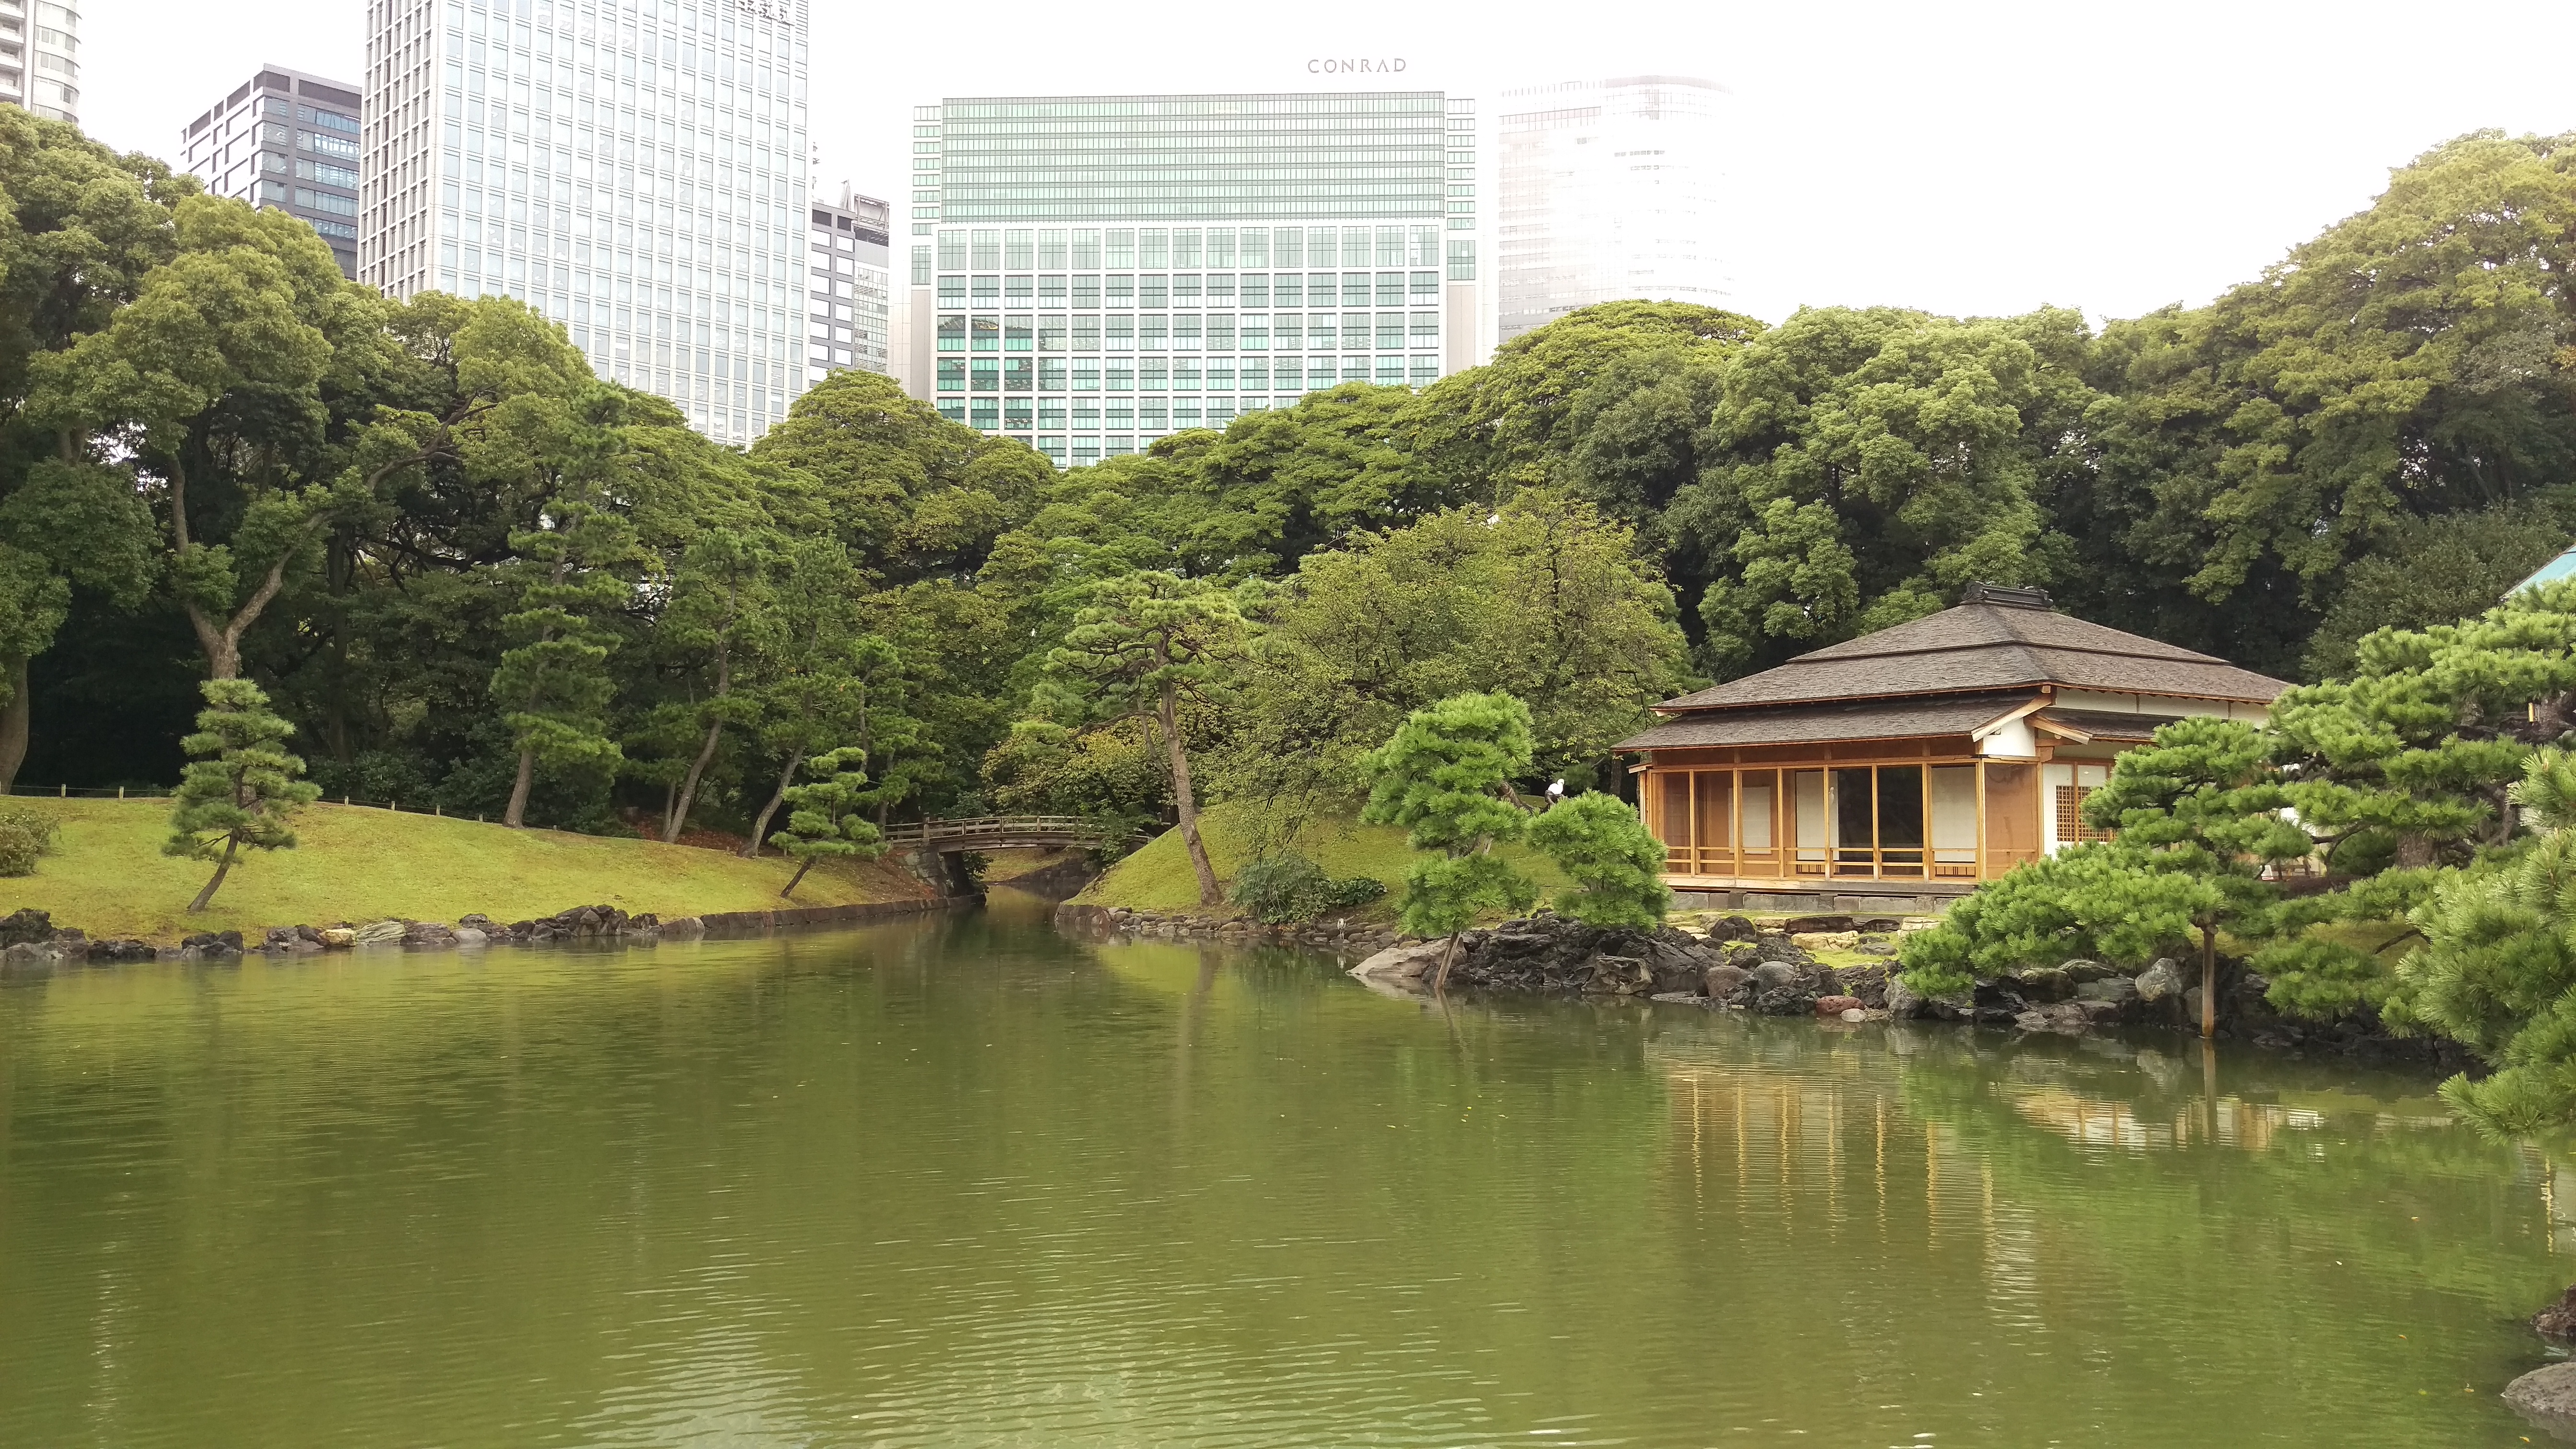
x,y
689,787
517,814
760,827
14,716
231,844
1440,982
2208,982
1188,805
802,866
715,731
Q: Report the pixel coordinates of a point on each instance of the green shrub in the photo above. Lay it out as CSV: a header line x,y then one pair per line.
x,y
1288,887
25,833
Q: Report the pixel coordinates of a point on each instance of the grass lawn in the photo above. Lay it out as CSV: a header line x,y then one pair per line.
x,y
107,874
1158,877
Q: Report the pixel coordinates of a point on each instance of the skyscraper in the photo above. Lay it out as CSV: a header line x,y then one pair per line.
x,y
40,57
1089,273
848,286
1611,190
634,169
289,141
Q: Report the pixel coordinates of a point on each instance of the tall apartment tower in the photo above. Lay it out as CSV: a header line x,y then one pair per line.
x,y
1611,190
1090,273
287,141
633,169
848,287
40,57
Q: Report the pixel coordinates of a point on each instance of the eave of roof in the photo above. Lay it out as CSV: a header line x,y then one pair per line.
x,y
1827,723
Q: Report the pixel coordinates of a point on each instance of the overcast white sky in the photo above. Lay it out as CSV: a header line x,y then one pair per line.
x,y
1966,158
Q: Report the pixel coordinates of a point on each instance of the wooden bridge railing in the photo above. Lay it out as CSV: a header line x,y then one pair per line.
x,y
1001,830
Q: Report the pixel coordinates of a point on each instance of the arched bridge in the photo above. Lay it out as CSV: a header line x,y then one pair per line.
x,y
1002,832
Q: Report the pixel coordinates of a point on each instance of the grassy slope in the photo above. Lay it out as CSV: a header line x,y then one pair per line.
x,y
1158,877
107,874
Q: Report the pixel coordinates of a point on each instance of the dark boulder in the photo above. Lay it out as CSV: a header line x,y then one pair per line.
x,y
26,927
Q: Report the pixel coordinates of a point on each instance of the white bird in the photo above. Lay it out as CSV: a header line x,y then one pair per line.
x,y
1556,790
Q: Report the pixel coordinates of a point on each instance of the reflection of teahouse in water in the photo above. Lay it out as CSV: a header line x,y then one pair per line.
x,y
1892,770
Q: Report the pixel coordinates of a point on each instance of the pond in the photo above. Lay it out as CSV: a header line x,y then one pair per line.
x,y
967,1181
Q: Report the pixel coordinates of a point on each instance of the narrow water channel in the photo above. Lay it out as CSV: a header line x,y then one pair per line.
x,y
966,1181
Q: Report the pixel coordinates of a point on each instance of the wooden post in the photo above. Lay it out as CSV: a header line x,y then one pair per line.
x,y
1735,815
1694,822
1980,766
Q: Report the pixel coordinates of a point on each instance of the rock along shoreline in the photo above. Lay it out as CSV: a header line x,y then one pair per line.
x,y
1737,964
30,939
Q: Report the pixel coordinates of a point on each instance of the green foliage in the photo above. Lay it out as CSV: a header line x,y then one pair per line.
x,y
1288,886
241,787
1445,777
1147,646
26,834
2497,970
2434,571
553,685
823,820
2198,812
1544,600
1868,464
1616,864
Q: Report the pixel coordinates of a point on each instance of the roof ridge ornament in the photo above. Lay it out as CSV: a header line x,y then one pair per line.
x,y
2006,596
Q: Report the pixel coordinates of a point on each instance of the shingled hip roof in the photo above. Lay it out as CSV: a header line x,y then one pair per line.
x,y
1812,724
1984,647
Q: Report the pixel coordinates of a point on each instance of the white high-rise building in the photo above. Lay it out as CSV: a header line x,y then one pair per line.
x,y
848,286
1611,191
1109,270
634,169
40,57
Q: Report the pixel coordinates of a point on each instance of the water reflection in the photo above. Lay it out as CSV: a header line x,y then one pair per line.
x,y
964,1181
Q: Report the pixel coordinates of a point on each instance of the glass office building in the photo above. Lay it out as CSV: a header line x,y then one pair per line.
x,y
1611,191
40,58
634,169
288,141
849,287
1088,274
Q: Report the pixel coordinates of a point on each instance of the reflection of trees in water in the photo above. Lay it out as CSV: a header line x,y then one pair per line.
x,y
2123,1143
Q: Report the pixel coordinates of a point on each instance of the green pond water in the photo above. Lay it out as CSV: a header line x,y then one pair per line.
x,y
967,1181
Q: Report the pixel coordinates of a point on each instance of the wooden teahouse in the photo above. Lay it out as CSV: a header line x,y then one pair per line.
x,y
1903,767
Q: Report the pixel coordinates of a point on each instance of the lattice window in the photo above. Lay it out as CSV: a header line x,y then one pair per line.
x,y
2070,815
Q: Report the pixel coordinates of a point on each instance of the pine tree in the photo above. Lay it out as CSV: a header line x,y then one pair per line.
x,y
1446,778
554,685
1615,863
241,786
2200,836
2497,970
1146,644
826,817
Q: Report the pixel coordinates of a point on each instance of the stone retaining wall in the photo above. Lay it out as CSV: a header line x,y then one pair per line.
x,y
1331,933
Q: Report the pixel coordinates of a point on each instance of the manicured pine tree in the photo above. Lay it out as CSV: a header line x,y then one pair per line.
x,y
2199,819
1446,778
826,817
554,685
242,785
1616,864
2497,970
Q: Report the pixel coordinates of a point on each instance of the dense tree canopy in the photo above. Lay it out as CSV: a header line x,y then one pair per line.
x,y
445,550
